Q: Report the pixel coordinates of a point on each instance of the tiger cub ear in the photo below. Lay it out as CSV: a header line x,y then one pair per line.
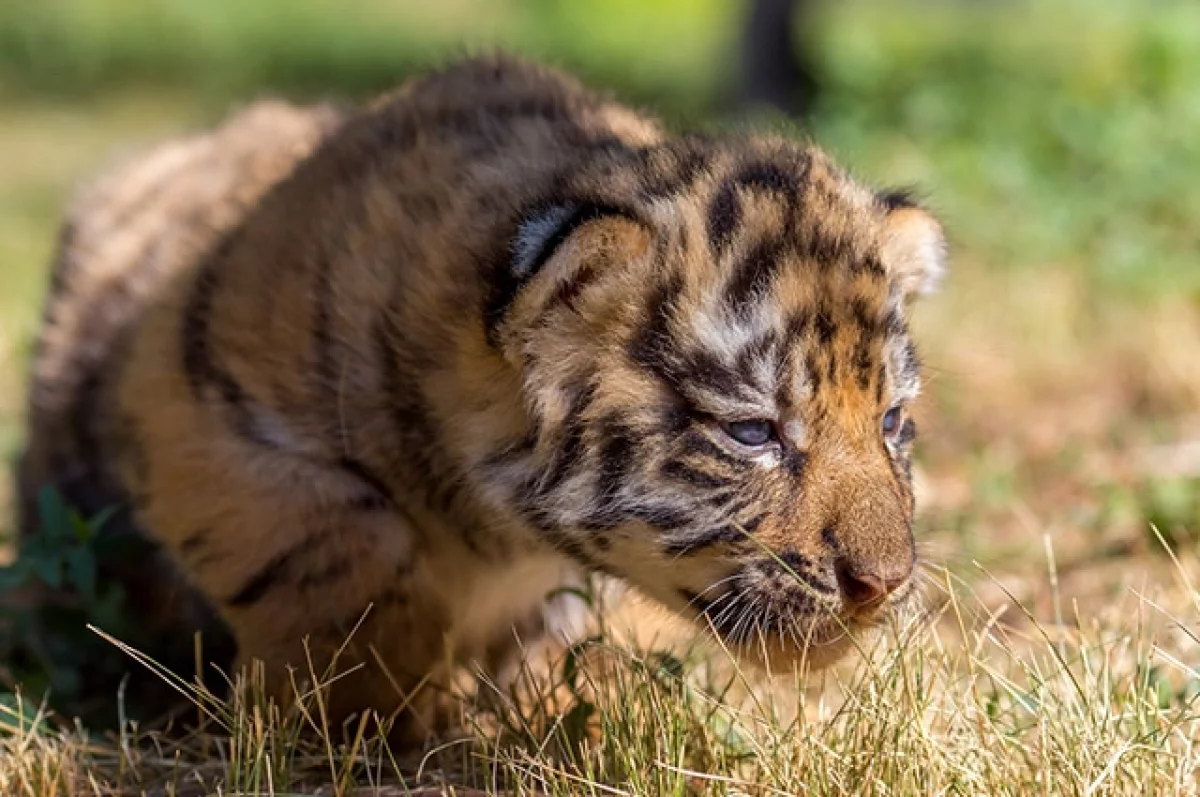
x,y
586,230
913,246
546,229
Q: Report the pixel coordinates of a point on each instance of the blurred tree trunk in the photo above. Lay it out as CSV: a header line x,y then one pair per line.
x,y
777,65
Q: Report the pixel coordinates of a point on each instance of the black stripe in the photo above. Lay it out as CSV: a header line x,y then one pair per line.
x,y
797,325
537,515
720,499
740,505
703,369
824,326
569,289
649,345
830,538
370,502
197,358
506,454
911,366
686,161
794,460
102,342
763,349
828,248
724,216
694,600
866,317
199,365
616,458
794,560
870,265
570,447
661,517
241,417
752,279
362,472
573,549
727,535
863,362
696,443
379,497
673,415
195,541
392,595
267,578
725,212
775,178
750,525
322,336
812,371
582,214
196,551
682,472
412,439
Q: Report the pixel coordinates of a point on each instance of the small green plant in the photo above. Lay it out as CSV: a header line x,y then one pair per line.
x,y
51,593
1171,508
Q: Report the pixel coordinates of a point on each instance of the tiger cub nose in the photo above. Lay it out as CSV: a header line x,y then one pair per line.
x,y
866,585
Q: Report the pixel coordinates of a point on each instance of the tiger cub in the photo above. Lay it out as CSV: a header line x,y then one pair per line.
x,y
408,370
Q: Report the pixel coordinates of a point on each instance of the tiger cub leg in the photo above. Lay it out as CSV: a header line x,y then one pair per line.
x,y
309,565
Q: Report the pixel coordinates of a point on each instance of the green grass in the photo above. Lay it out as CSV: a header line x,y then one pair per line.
x,y
1058,450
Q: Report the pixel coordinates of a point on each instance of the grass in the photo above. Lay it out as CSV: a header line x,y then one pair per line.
x,y
1102,703
1060,468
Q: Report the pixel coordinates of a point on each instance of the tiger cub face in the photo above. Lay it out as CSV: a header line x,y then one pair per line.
x,y
718,378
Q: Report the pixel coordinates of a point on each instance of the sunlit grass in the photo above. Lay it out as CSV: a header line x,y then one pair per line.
x,y
972,702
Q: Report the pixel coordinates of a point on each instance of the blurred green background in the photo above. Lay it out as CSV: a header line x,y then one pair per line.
x,y
1046,131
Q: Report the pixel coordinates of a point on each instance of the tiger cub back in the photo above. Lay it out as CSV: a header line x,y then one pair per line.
x,y
125,235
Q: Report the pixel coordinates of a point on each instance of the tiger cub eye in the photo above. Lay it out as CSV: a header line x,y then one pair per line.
x,y
893,421
751,433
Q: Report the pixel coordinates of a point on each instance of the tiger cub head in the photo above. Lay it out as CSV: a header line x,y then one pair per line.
x,y
717,368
